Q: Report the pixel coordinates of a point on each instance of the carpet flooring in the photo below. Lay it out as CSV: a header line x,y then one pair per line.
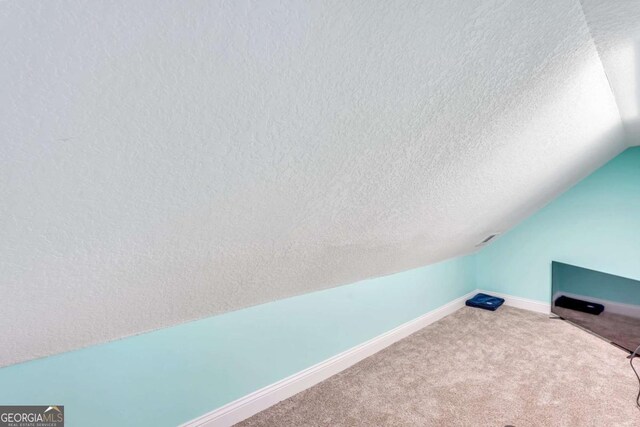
x,y
475,368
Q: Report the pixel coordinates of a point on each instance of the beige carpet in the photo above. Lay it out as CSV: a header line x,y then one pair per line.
x,y
475,368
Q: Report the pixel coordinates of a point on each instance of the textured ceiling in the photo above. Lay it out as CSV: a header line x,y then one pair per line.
x,y
164,161
615,27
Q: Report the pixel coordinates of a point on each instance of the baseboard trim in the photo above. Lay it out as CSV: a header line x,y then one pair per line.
x,y
251,404
523,303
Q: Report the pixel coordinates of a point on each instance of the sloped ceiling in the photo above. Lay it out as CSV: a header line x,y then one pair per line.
x,y
164,161
615,27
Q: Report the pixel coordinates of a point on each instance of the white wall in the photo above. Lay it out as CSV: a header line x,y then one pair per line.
x,y
163,161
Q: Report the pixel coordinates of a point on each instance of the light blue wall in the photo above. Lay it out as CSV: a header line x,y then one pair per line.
x,y
596,225
170,376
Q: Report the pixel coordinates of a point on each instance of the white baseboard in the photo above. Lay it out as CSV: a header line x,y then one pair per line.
x,y
262,399
523,303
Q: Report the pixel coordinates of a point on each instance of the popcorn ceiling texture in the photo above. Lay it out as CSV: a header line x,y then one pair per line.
x,y
615,27
164,161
